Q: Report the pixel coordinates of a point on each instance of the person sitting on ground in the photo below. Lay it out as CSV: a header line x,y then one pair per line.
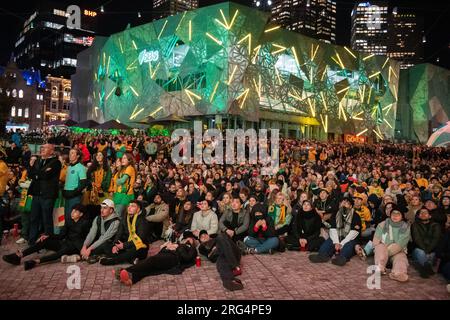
x,y
390,242
104,228
443,253
205,219
67,244
223,251
261,237
235,222
305,230
157,214
281,214
426,235
131,241
173,258
364,214
344,232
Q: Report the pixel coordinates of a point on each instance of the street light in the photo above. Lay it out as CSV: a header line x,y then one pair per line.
x,y
102,9
139,15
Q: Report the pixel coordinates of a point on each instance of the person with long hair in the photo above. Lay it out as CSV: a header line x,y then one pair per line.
x,y
99,179
305,231
124,181
261,237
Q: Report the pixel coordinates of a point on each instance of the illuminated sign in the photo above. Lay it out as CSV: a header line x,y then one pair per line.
x,y
350,138
90,13
148,56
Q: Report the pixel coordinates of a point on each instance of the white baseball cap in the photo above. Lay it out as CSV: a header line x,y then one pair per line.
x,y
108,203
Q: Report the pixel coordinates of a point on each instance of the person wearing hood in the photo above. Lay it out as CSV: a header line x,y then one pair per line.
x,y
426,235
344,233
99,240
390,243
261,237
437,215
157,215
305,229
373,203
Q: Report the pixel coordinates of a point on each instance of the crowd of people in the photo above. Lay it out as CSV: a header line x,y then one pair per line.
x,y
117,195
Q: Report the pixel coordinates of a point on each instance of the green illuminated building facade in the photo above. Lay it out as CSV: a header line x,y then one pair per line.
x,y
225,62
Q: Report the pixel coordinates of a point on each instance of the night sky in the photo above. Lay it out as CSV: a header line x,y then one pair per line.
x,y
119,13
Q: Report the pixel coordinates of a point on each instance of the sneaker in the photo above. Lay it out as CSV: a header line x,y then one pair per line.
x,y
250,251
271,251
318,258
125,278
21,241
108,261
429,269
12,259
401,277
116,273
339,261
233,285
237,271
70,259
93,259
360,252
30,264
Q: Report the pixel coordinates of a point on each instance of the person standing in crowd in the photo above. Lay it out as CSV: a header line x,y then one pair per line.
x,y
44,187
4,178
131,241
124,182
99,179
75,182
426,235
390,243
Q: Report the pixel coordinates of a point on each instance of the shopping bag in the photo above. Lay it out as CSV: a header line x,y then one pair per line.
x,y
58,211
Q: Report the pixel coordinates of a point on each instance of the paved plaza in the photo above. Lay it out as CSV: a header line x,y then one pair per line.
x,y
281,276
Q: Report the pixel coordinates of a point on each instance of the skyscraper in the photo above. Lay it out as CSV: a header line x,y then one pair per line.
x,y
406,37
395,32
47,44
165,8
370,27
314,18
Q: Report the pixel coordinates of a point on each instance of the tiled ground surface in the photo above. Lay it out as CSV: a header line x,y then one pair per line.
x,y
282,276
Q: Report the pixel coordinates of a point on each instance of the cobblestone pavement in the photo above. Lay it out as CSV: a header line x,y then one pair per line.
x,y
281,276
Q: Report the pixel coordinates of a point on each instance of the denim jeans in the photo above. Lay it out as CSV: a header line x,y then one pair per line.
x,y
261,245
68,205
327,249
41,215
421,257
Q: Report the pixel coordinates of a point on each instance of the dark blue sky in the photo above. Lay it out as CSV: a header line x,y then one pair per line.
x,y
119,13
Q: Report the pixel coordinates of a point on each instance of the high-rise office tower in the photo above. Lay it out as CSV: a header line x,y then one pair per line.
x,y
165,8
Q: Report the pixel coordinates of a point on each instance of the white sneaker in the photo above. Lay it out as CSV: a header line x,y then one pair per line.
x,y
70,259
21,241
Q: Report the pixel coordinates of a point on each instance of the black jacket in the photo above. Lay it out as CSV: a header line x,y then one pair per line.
x,y
426,236
306,225
44,176
260,233
142,230
74,232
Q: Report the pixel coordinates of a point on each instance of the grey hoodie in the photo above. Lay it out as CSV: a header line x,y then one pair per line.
x,y
105,235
